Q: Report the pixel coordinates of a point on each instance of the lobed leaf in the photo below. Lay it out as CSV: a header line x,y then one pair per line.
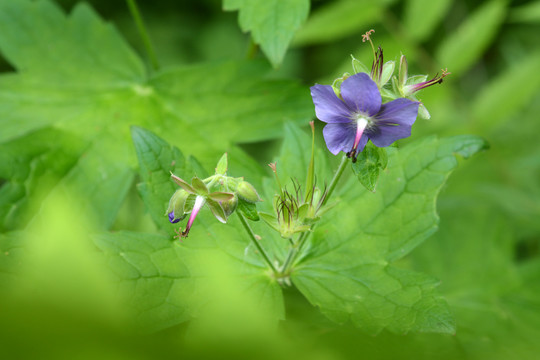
x,y
75,73
370,231
157,159
150,275
368,165
272,23
32,165
209,246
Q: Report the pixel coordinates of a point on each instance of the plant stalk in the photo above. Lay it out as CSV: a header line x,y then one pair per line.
x,y
335,179
293,252
134,10
256,242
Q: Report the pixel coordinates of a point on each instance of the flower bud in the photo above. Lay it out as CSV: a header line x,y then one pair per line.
x,y
403,71
176,206
247,192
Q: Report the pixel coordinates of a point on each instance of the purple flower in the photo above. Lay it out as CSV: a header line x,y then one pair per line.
x,y
361,115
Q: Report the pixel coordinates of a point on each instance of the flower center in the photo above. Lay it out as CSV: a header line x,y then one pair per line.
x,y
361,124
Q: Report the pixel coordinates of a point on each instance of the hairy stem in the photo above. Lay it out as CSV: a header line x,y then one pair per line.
x,y
134,10
256,242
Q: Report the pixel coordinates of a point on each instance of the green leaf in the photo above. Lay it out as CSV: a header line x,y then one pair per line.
x,y
232,102
248,209
495,296
368,165
459,51
151,276
338,19
86,58
375,297
347,270
209,246
75,72
12,252
422,16
232,278
527,13
33,165
272,23
294,157
156,160
508,92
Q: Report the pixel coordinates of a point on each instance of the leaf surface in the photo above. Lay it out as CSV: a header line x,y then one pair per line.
x,y
151,275
219,260
75,73
347,270
272,23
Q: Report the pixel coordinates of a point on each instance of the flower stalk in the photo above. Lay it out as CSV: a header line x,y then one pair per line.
x,y
134,10
253,238
297,246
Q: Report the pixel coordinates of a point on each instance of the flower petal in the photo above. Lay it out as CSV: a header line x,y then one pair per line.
x,y
361,94
394,122
400,111
339,137
172,219
328,107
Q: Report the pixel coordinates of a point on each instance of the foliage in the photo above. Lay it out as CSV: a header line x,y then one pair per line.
x,y
90,133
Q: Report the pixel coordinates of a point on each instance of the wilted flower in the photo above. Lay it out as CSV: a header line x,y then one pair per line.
x,y
202,196
359,115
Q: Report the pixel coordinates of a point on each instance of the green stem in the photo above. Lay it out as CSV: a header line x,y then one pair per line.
x,y
295,250
133,8
292,253
335,179
256,242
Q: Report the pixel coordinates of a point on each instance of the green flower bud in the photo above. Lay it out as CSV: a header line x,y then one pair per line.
x,y
247,192
403,71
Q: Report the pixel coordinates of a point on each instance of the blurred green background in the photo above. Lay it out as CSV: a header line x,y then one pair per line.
x,y
486,252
